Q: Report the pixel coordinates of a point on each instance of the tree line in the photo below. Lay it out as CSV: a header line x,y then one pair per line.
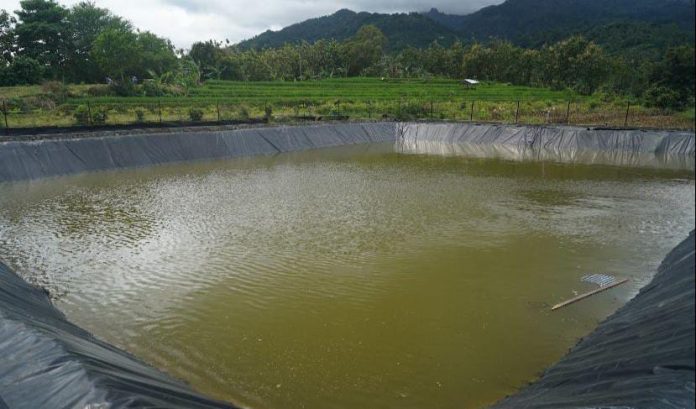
x,y
85,44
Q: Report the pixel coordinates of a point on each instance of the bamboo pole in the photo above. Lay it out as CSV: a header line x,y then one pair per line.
x,y
4,113
628,109
517,113
567,119
587,294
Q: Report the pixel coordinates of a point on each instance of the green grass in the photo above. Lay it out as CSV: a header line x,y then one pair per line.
x,y
345,89
358,98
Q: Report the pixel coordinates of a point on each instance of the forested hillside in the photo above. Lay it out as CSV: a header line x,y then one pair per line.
x,y
531,23
401,30
632,25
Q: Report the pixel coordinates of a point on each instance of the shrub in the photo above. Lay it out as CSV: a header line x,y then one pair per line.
x,y
38,102
152,89
22,71
81,115
99,116
56,91
139,115
123,89
243,112
411,111
196,114
99,91
268,112
663,97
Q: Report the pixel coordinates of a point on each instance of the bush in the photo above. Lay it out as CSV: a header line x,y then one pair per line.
x,y
243,113
268,112
196,114
99,91
139,115
124,89
22,71
38,102
152,89
81,115
663,97
99,117
56,91
411,111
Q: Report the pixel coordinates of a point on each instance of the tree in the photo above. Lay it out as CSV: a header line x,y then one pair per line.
x,y
208,56
116,51
22,71
576,63
155,54
41,34
364,49
86,21
6,38
672,79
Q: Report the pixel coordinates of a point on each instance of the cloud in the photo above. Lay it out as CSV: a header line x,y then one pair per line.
x,y
187,21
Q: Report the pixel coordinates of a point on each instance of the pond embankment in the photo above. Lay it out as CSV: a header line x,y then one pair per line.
x,y
31,159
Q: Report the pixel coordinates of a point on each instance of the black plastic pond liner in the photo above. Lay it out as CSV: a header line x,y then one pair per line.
x,y
640,357
551,138
47,362
44,158
23,160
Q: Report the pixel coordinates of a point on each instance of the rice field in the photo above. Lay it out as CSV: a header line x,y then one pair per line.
x,y
339,98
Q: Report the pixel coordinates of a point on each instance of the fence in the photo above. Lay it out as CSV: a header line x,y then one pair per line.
x,y
87,113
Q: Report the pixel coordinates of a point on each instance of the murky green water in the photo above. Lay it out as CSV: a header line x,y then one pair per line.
x,y
344,278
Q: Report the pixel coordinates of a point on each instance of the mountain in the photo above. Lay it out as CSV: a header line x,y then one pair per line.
x,y
530,23
401,30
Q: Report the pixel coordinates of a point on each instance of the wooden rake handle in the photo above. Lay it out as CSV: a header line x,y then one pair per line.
x,y
587,294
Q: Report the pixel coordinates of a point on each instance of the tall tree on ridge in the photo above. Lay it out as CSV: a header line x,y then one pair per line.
x,y
42,31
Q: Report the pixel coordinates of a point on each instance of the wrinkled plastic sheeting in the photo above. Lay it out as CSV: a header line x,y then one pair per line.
x,y
640,357
663,149
44,158
47,362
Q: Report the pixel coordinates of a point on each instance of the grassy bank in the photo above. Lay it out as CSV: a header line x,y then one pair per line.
x,y
355,98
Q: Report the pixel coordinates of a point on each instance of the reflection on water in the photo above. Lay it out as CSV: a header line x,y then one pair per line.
x,y
350,277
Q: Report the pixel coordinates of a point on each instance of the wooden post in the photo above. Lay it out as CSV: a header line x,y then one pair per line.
x,y
217,105
517,112
471,116
628,108
369,109
4,112
587,294
567,121
89,113
159,106
431,109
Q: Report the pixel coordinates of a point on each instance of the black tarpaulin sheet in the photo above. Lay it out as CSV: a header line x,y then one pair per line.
x,y
640,357
47,362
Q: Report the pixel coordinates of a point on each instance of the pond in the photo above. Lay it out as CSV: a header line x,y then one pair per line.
x,y
345,277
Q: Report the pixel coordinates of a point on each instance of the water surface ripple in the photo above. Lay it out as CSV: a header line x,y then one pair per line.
x,y
347,277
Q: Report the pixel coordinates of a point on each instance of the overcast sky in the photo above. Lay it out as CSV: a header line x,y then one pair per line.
x,y
186,21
